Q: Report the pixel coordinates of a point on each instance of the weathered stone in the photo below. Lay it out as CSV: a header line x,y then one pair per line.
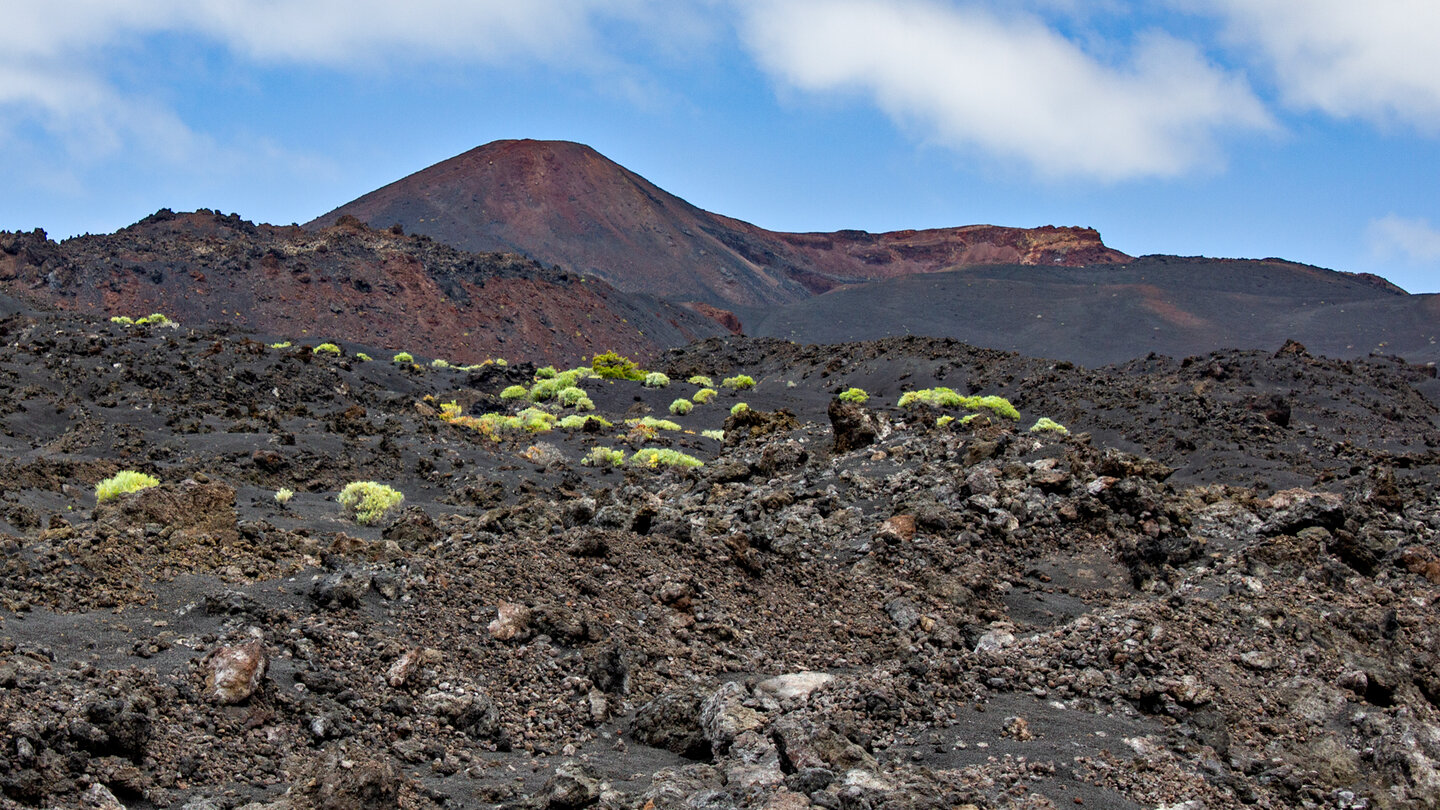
x,y
794,685
897,529
235,673
724,716
854,427
511,621
404,667
572,785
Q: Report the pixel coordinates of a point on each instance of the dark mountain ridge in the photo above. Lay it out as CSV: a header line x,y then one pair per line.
x,y
564,203
347,282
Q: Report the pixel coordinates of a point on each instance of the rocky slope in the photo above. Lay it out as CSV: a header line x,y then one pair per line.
x,y
1218,589
1115,313
564,203
384,289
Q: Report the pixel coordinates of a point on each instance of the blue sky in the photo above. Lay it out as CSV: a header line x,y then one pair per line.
x,y
1304,129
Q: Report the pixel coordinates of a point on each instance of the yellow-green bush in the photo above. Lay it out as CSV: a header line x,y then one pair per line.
x,y
655,457
682,406
369,500
1047,425
739,382
703,396
326,348
123,482
612,366
855,395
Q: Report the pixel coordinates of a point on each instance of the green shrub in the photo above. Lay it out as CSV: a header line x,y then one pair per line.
x,y
551,387
739,382
717,435
326,348
655,457
738,408
612,366
701,380
123,320
585,404
944,420
156,319
123,482
576,422
572,396
283,495
703,396
546,373
369,501
604,457
514,392
403,357
438,363
656,380
284,344
855,395
534,420
947,398
362,357
1045,424
651,423
968,418
680,407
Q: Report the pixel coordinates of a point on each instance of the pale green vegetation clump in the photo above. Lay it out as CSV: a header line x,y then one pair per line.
x,y
968,418
550,387
656,457
514,392
604,457
572,396
655,379
546,373
154,319
576,422
855,395
492,425
438,363
283,495
945,420
362,357
326,348
403,357
717,435
123,482
739,382
612,366
738,408
701,380
703,396
948,398
1047,425
651,423
680,407
284,344
369,500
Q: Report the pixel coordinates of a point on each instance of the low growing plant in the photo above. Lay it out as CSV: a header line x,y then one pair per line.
x,y
604,457
514,392
362,357
948,398
326,348
656,379
438,363
403,357
944,420
703,396
738,408
123,482
369,500
701,380
577,422
739,382
855,395
717,435
680,407
546,373
284,344
572,396
1047,425
656,457
283,496
651,423
612,366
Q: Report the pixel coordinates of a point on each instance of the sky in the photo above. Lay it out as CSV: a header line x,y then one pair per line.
x,y
1302,129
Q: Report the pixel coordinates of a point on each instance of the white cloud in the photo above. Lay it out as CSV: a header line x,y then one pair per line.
x,y
1377,60
1407,239
1010,86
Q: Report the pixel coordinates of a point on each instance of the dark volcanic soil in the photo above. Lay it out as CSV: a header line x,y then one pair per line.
x,y
1219,588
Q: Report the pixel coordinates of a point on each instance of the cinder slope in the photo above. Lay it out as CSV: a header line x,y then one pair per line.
x,y
564,203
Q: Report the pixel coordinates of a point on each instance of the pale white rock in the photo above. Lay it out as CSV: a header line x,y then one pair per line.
x,y
794,684
511,620
235,672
